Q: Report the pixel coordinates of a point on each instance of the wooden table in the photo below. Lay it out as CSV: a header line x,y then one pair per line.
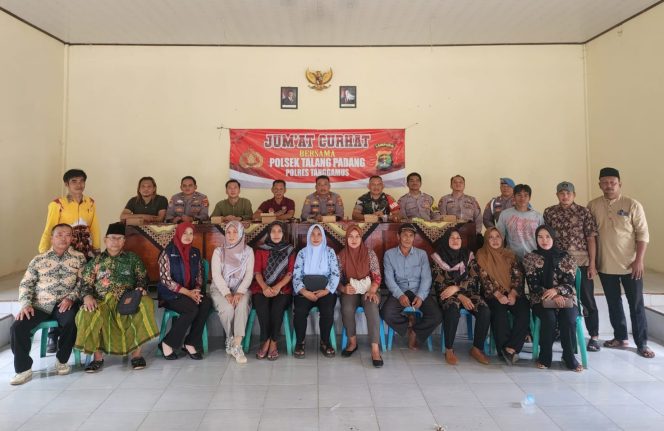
x,y
148,241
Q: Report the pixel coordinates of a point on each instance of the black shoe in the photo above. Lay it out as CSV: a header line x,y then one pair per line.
x,y
508,357
138,363
173,356
348,353
327,350
593,345
298,353
195,356
94,366
52,345
377,363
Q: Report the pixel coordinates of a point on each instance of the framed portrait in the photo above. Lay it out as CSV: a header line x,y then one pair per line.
x,y
288,97
347,96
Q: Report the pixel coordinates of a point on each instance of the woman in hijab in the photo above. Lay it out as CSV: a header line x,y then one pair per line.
x,y
551,275
181,288
232,272
360,280
315,281
454,273
501,282
272,288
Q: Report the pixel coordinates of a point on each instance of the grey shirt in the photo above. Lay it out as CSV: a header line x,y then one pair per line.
x,y
403,273
518,228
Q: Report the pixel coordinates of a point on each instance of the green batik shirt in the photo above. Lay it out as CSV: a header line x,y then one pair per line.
x,y
113,274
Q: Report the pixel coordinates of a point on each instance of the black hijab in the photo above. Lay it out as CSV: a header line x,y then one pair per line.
x,y
451,257
551,256
277,261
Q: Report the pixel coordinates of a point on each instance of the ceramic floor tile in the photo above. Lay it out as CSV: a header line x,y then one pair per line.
x,y
238,397
131,400
581,418
397,395
400,419
302,375
515,417
247,375
553,394
13,420
173,420
304,396
26,401
464,418
236,420
184,398
113,421
149,378
634,417
604,393
352,418
77,401
285,419
344,396
498,394
191,376
55,421
448,394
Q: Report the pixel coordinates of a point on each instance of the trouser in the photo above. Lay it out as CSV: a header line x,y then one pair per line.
x,y
325,305
270,313
505,336
391,312
451,315
233,319
21,340
590,312
349,304
634,293
192,316
566,318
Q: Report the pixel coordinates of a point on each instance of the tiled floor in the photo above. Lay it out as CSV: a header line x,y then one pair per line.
x,y
414,391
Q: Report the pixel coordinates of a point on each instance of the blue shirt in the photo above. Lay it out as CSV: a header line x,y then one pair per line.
x,y
332,275
403,273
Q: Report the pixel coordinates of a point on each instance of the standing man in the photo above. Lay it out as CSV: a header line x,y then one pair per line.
x,y
322,202
577,232
519,223
376,202
416,204
279,205
502,202
457,203
49,291
623,238
188,205
408,277
234,208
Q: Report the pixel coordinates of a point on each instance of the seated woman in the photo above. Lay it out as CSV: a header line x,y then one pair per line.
x,y
272,290
232,272
454,273
101,326
501,280
315,281
359,269
181,288
551,275
147,204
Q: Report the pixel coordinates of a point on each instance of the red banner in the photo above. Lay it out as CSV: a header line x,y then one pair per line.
x,y
348,157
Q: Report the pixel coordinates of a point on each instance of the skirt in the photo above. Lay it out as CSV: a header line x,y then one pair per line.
x,y
113,333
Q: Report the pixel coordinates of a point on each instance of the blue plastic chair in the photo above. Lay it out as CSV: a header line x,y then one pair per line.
x,y
418,315
469,326
44,327
535,325
170,314
333,335
344,337
246,342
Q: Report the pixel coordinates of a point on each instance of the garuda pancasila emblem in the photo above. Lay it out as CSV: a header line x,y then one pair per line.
x,y
318,79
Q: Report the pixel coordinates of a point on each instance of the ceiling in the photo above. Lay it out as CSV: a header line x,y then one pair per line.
x,y
324,23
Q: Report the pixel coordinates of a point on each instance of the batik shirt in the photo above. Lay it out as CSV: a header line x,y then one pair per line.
x,y
573,225
51,278
113,274
385,204
564,276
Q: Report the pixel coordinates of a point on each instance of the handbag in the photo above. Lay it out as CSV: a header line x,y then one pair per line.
x,y
550,303
129,302
314,282
361,286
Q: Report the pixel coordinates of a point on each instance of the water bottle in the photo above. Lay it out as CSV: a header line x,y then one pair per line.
x,y
527,401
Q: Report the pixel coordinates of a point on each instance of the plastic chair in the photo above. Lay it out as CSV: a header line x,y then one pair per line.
x,y
535,326
333,335
246,342
469,326
344,337
418,315
44,327
170,314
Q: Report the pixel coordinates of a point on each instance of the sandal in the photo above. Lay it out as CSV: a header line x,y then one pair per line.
x,y
646,352
326,350
593,345
273,355
540,365
262,352
616,344
138,363
94,366
299,351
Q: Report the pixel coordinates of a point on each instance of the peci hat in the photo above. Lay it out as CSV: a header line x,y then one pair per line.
x,y
407,226
508,181
115,229
609,172
565,186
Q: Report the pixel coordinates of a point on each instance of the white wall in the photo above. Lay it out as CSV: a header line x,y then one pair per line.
x,y
483,112
626,109
31,123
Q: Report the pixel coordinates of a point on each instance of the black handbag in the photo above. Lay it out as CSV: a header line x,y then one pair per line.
x,y
129,302
314,282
